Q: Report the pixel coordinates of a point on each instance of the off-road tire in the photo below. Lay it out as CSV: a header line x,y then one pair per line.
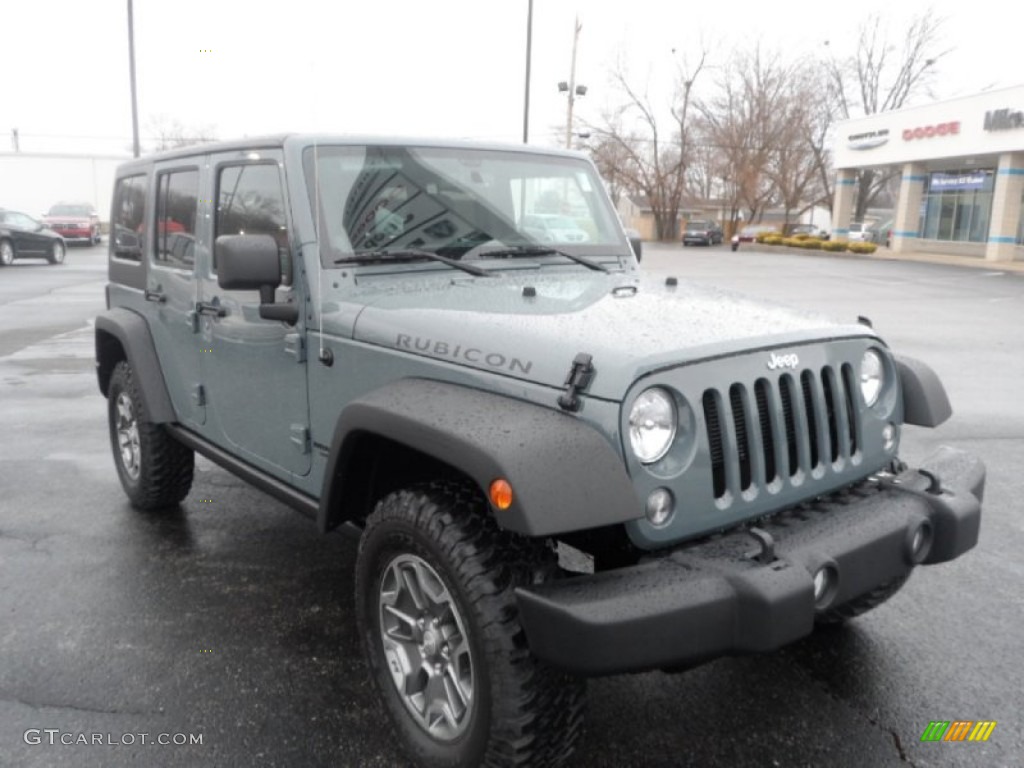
x,y
163,472
524,712
859,605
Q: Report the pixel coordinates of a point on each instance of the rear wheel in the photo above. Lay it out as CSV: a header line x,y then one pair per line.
x,y
435,594
6,253
155,469
56,255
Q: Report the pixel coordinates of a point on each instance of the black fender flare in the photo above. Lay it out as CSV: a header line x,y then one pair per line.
x,y
132,333
925,402
564,474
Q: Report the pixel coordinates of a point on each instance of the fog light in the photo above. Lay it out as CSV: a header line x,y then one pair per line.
x,y
659,507
824,584
889,436
921,542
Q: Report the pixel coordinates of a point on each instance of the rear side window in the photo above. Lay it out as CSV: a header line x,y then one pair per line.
x,y
250,201
128,219
177,195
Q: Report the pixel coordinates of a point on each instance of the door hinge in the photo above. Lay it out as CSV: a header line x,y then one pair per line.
x,y
300,437
295,344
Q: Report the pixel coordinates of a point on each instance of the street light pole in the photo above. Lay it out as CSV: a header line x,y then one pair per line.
x,y
131,70
529,46
572,84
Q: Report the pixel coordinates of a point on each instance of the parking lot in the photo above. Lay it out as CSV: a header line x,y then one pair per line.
x,y
231,618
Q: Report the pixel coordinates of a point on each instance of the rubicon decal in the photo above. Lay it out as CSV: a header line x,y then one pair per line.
x,y
958,730
461,353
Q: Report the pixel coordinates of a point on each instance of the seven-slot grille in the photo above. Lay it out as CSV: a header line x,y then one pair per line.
x,y
780,427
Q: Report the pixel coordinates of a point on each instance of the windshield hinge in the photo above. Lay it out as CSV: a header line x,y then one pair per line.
x,y
579,377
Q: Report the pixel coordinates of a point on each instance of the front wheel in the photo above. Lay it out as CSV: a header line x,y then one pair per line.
x,y
155,469
6,253
56,255
435,598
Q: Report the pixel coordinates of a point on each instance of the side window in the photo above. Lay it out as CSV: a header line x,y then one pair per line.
x,y
129,218
250,201
177,195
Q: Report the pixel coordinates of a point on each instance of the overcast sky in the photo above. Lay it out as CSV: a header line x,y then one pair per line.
x,y
410,67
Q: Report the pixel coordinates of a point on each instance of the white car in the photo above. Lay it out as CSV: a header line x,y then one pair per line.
x,y
863,232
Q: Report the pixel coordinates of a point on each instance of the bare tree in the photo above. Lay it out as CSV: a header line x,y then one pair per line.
x,y
878,77
649,157
165,132
753,121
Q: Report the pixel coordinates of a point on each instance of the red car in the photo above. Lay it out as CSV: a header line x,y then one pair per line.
x,y
74,221
749,234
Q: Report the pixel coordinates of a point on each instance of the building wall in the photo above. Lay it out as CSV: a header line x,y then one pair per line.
x,y
31,182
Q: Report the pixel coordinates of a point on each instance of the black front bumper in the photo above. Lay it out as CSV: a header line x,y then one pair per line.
x,y
727,595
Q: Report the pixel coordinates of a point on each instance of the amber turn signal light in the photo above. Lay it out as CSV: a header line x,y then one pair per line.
x,y
501,494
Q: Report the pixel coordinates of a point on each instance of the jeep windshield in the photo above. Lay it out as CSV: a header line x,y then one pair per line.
x,y
459,202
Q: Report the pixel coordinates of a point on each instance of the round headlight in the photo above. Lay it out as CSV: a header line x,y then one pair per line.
x,y
652,425
872,376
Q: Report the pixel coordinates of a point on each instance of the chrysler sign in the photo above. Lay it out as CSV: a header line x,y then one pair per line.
x,y
868,140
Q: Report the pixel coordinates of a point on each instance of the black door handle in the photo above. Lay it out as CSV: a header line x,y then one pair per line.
x,y
157,296
207,308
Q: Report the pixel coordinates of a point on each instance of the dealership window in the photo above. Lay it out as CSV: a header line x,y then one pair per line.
x,y
1020,225
958,206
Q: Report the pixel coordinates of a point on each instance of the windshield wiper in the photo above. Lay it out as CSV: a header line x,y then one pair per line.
x,y
542,250
411,254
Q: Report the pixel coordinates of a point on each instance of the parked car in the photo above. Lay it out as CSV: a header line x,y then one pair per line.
x,y
553,228
74,221
749,234
809,229
702,232
22,237
635,241
863,232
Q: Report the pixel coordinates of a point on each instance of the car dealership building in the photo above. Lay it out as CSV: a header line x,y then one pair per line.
x,y
961,165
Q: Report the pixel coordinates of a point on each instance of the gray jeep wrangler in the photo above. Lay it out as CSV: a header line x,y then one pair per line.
x,y
559,467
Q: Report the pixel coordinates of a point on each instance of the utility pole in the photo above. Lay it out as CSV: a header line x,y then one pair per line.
x,y
529,46
572,84
131,70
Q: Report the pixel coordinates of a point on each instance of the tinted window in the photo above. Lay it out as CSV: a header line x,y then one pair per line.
x,y
128,219
176,198
250,201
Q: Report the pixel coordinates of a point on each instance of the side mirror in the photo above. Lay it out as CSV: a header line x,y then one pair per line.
x,y
252,263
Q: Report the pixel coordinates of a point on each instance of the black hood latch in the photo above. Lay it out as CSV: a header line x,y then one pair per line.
x,y
579,377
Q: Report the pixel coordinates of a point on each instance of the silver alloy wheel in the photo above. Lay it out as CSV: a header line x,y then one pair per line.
x,y
128,436
58,253
6,253
426,647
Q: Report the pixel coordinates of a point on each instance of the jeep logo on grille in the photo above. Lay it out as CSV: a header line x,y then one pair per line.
x,y
782,361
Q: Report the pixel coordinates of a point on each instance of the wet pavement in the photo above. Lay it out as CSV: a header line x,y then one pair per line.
x,y
230,619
